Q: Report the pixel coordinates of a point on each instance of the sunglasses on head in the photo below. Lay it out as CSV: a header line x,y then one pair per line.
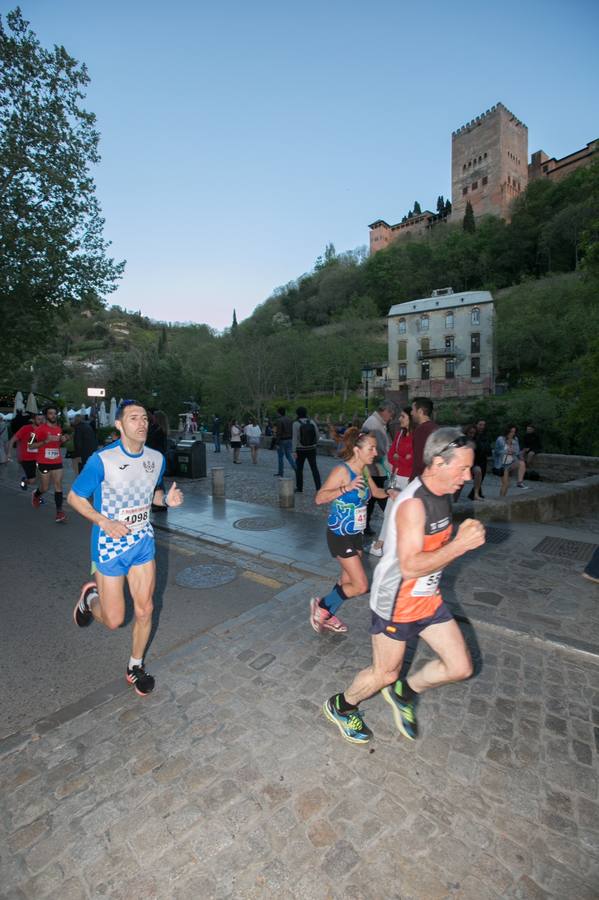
x,y
460,441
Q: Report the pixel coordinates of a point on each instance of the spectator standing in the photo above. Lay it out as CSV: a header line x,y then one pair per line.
x,y
158,432
235,440
304,442
482,451
400,459
216,432
253,433
4,438
422,417
85,442
284,436
378,425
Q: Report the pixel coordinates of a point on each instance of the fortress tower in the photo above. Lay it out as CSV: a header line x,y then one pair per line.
x,y
489,163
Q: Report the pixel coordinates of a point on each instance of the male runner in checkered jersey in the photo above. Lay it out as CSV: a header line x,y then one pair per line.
x,y
124,479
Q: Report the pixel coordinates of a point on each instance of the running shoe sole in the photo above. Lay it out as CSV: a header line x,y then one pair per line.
x,y
331,718
85,587
136,689
314,607
386,692
339,628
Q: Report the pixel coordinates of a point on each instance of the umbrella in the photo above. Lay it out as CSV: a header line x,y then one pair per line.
x,y
102,415
19,402
32,404
112,413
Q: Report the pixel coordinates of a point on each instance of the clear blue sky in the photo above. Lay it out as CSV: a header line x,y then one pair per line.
x,y
239,138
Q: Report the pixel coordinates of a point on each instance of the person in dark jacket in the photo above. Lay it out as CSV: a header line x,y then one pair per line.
x,y
85,441
158,432
284,441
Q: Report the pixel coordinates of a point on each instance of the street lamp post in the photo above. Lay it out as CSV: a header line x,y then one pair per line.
x,y
366,370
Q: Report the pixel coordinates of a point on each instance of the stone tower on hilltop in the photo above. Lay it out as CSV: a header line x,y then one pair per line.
x,y
489,163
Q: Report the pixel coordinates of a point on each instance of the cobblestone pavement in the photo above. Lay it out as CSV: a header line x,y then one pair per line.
x,y
229,782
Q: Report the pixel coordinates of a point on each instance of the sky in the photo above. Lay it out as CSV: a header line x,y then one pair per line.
x,y
238,139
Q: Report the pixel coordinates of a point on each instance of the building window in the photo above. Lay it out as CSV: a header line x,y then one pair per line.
x,y
402,350
425,371
485,180
425,345
450,368
403,371
449,320
402,326
475,316
474,185
464,169
475,367
449,342
484,155
475,342
423,323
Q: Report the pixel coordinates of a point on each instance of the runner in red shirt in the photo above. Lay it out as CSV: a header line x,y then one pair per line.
x,y
49,441
26,455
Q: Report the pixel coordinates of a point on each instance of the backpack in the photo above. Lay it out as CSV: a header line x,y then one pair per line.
x,y
307,434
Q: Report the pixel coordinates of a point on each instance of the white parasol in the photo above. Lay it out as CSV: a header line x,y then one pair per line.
x,y
102,415
19,405
112,413
32,404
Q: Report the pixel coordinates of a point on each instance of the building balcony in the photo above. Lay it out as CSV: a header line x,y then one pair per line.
x,y
447,352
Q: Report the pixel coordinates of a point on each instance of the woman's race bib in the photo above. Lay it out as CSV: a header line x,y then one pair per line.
x,y
52,453
427,585
360,518
135,517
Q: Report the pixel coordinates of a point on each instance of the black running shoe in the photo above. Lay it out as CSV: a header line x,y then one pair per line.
x,y
141,681
82,613
23,484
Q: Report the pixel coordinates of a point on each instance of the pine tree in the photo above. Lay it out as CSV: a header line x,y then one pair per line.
x,y
234,323
417,209
469,224
440,205
410,214
448,207
162,341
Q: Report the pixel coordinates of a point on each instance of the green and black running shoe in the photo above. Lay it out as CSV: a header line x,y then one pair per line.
x,y
404,712
351,724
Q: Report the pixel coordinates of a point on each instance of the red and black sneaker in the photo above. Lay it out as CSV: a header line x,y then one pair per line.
x,y
60,516
36,500
82,613
141,681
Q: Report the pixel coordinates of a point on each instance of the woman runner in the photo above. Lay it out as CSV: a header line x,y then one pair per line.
x,y
347,489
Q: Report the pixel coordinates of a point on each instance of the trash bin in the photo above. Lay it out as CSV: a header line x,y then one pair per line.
x,y
191,458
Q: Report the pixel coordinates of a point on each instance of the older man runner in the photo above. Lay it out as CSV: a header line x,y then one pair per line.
x,y
405,598
124,478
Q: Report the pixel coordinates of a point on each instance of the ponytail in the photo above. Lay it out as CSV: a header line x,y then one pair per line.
x,y
352,438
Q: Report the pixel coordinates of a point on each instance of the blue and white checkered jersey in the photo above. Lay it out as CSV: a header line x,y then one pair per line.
x,y
122,486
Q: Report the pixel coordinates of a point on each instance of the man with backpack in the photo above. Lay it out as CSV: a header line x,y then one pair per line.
x,y
305,440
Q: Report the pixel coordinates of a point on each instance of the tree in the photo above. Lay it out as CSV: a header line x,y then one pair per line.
x,y
52,247
440,205
448,207
234,323
469,224
417,209
162,341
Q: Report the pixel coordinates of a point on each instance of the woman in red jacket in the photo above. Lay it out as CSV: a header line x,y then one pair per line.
x,y
400,459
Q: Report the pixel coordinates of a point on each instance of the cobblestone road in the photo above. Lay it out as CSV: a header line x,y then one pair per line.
x,y
229,782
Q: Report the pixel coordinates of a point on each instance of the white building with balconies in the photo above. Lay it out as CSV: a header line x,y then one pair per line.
x,y
442,346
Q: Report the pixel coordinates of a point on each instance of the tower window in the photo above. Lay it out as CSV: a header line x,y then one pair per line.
x,y
464,191
485,180
474,185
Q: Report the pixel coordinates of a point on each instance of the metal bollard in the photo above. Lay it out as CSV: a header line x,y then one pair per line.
x,y
286,492
218,481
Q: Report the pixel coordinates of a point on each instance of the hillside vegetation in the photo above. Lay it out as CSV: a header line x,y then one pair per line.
x,y
308,341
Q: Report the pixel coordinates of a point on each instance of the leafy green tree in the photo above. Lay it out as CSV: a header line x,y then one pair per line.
x,y
468,223
52,247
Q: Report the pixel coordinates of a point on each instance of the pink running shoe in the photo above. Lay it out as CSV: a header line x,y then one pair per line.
x,y
316,614
332,623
